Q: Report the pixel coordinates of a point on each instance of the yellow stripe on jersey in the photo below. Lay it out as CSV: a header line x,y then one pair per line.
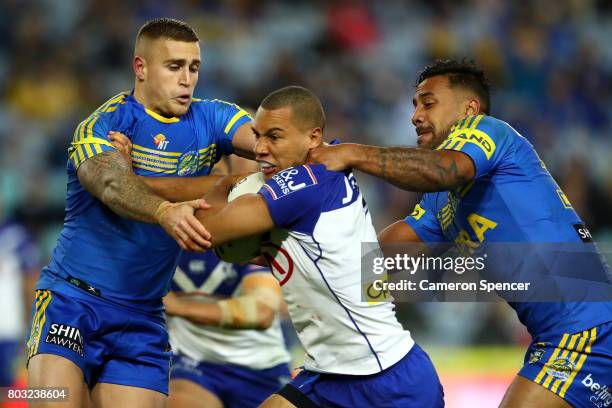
x,y
476,121
119,98
43,297
211,146
552,358
152,162
234,119
145,167
153,157
563,356
587,351
157,152
161,118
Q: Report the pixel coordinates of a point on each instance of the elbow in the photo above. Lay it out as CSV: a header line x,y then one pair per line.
x,y
110,193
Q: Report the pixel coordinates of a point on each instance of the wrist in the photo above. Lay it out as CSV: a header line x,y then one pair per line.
x,y
161,209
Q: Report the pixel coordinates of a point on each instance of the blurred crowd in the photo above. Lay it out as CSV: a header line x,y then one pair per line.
x,y
549,62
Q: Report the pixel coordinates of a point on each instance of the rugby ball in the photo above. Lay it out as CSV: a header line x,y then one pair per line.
x,y
244,249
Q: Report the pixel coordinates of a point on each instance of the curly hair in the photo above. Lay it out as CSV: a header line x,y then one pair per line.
x,y
465,74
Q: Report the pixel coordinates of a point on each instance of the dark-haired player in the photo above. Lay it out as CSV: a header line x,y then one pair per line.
x,y
357,353
486,183
98,317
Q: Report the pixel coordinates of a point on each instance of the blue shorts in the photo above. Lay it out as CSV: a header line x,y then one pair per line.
x,y
109,342
411,382
575,366
235,386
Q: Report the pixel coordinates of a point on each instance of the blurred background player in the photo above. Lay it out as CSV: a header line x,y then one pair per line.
x,y
119,347
225,332
19,267
224,328
486,184
357,353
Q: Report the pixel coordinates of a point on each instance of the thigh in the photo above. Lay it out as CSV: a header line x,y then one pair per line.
x,y
526,394
186,394
276,401
105,395
47,370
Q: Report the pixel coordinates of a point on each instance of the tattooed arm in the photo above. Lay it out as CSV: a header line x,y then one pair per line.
x,y
108,177
405,167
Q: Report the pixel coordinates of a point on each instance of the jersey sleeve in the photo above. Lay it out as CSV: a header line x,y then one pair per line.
x,y
90,139
482,138
294,198
222,120
244,270
425,224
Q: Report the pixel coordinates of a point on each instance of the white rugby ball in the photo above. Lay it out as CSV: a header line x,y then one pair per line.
x,y
244,249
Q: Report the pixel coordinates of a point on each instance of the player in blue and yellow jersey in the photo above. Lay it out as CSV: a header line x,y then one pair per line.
x,y
486,184
98,315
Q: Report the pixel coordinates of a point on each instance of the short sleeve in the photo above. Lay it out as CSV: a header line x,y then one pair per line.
x,y
425,224
225,120
482,138
90,139
294,198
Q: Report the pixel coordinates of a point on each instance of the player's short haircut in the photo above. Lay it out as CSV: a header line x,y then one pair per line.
x,y
167,28
306,107
464,74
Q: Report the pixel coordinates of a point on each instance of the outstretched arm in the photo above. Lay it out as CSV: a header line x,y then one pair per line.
x,y
405,167
247,215
109,177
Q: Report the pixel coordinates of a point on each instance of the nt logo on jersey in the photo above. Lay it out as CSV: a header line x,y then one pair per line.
x,y
66,336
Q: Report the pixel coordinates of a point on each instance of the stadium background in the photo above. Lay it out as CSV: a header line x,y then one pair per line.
x,y
550,64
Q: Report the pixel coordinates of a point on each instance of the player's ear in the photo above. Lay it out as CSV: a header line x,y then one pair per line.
x,y
316,137
140,68
473,107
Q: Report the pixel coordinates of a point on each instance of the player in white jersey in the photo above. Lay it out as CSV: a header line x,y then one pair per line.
x,y
225,332
357,353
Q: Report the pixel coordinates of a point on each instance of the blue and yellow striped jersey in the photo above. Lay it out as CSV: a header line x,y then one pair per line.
x,y
512,199
129,261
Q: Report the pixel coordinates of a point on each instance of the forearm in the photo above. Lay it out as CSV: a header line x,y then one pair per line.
x,y
408,168
208,314
108,177
179,189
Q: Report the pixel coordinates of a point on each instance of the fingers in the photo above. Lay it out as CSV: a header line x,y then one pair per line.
x,y
199,204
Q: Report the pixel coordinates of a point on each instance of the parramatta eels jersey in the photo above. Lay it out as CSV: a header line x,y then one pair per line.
x,y
320,220
512,199
119,259
205,278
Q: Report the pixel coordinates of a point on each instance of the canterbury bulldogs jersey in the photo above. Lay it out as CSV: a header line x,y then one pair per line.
x,y
205,278
321,219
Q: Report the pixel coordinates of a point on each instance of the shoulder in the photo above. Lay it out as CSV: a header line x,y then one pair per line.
x,y
110,111
294,179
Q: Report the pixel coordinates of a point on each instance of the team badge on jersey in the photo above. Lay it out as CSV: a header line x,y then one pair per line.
x,y
188,163
561,368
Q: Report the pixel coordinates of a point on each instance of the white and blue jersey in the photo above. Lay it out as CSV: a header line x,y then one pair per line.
x,y
321,219
205,278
